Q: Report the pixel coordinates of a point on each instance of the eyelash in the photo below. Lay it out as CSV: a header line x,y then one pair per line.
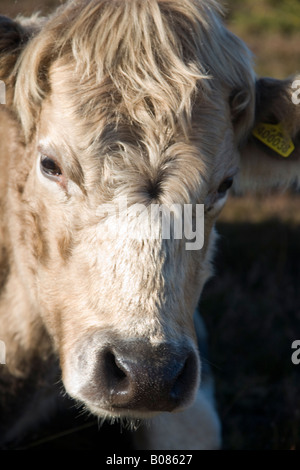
x,y
225,186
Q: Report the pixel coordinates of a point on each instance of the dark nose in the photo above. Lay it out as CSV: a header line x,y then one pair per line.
x,y
138,376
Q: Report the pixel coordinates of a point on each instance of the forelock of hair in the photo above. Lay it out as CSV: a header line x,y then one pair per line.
x,y
155,55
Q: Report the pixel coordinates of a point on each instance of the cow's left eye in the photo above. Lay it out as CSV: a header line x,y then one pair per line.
x,y
50,168
224,186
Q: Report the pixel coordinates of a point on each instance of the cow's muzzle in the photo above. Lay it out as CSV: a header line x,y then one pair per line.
x,y
135,377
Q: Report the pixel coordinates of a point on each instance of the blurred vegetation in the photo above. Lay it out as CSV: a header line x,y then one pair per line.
x,y
264,16
271,28
252,311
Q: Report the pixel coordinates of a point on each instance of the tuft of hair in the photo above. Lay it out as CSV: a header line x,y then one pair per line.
x,y
156,54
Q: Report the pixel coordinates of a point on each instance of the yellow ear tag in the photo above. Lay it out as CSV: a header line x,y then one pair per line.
x,y
274,137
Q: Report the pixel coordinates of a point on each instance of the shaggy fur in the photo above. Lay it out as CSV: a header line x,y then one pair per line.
x,y
147,101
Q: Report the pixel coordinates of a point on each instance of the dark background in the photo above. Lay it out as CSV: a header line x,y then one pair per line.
x,y
252,305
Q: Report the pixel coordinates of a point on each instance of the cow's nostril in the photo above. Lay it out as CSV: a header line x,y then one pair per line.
x,y
181,382
113,369
181,376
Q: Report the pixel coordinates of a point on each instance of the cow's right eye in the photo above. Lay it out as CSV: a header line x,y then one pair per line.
x,y
224,186
50,168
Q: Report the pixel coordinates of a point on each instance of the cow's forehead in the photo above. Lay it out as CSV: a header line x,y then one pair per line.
x,y
153,157
142,163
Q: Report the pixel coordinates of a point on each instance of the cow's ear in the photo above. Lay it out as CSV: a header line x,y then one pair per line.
x,y
270,157
13,37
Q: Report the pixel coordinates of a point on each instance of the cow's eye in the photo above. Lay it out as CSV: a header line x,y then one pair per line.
x,y
50,168
224,186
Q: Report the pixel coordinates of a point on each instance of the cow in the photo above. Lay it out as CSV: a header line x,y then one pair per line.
x,y
152,102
